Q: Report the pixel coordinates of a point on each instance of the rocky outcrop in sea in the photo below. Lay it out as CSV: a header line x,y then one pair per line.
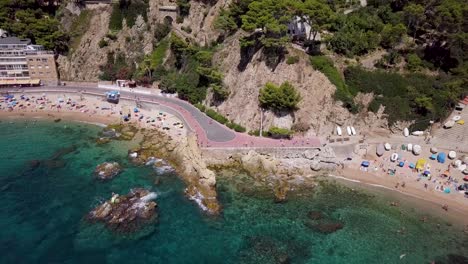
x,y
126,213
185,157
107,170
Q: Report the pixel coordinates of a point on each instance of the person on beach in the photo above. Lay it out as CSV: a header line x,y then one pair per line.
x,y
445,207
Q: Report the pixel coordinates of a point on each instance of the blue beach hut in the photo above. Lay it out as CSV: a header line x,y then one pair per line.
x,y
441,157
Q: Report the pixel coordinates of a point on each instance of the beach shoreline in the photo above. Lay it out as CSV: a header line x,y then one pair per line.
x,y
429,205
458,206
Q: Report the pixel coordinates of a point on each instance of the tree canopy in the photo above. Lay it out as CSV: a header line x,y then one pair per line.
x,y
279,98
27,19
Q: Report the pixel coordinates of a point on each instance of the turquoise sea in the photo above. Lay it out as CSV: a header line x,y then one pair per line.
x,y
42,210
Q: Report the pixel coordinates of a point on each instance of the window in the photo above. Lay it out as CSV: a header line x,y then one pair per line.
x,y
31,60
38,59
33,73
47,66
44,60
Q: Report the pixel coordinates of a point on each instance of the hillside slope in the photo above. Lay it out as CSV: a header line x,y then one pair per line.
x,y
318,111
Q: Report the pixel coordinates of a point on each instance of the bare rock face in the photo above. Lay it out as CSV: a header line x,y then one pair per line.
x,y
107,170
126,213
133,42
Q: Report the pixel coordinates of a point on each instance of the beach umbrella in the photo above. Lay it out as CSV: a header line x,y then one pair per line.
x,y
411,165
416,149
427,173
441,157
365,164
447,190
401,164
420,164
452,154
457,163
387,146
433,157
434,150
462,167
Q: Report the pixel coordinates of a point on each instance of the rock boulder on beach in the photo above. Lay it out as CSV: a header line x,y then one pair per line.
x,y
126,213
107,170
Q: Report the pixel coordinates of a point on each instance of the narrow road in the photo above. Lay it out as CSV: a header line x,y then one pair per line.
x,y
209,132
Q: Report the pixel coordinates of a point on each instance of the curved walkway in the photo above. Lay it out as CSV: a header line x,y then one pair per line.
x,y
209,133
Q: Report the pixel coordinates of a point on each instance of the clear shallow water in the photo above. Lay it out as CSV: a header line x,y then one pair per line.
x,y
42,213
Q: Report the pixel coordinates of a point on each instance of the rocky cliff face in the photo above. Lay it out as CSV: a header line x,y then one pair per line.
x,y
318,110
82,63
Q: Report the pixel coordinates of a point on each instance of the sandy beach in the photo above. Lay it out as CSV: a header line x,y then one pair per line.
x,y
91,109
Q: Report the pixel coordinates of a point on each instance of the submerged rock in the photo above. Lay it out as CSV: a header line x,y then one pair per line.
x,y
281,193
102,140
34,164
54,164
325,227
315,215
107,170
126,213
109,133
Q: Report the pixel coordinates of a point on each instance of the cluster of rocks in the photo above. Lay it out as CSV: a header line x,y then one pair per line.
x,y
186,158
117,132
107,170
126,213
317,223
55,161
283,170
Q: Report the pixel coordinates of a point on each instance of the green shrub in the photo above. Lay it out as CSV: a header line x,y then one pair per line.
x,y
115,21
414,63
111,36
184,7
292,60
128,10
236,127
405,97
342,93
277,132
216,116
161,31
187,29
159,53
102,43
279,98
200,107
179,20
256,133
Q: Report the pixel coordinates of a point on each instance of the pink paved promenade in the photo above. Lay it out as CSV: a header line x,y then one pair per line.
x,y
240,139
